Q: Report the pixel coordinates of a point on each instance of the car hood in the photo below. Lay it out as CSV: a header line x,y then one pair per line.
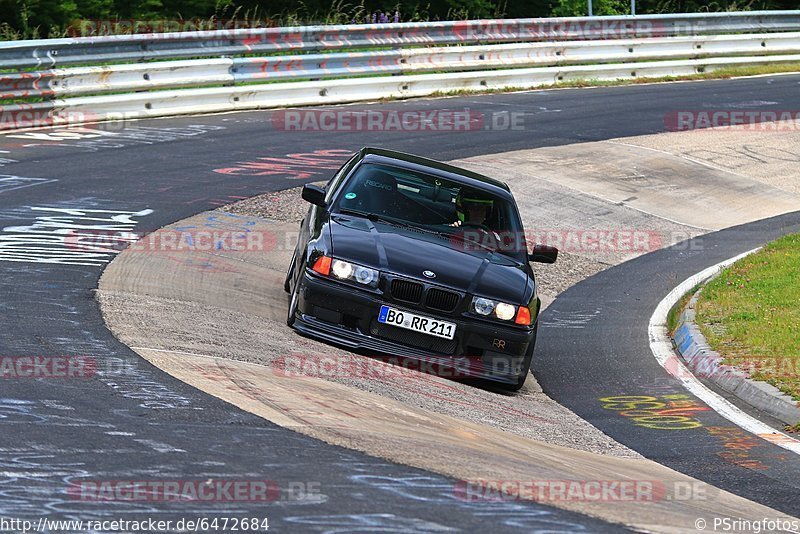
x,y
408,253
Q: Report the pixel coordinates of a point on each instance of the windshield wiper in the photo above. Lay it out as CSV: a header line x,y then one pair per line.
x,y
365,214
404,224
383,218
465,239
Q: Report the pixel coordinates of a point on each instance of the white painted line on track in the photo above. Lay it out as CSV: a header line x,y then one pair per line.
x,y
661,345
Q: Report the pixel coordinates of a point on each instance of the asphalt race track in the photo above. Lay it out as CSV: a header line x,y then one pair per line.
x,y
133,422
596,346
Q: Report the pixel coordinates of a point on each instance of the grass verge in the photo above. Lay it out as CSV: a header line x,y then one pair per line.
x,y
674,314
719,74
750,314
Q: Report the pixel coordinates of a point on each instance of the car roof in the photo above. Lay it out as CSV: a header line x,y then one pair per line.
x,y
437,168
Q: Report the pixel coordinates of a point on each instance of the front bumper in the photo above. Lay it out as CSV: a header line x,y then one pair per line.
x,y
347,316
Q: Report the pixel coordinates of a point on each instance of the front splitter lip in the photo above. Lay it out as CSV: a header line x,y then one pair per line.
x,y
313,327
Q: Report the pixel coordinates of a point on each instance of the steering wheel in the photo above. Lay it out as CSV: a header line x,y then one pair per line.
x,y
479,226
485,229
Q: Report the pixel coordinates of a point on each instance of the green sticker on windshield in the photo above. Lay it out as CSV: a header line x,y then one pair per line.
x,y
350,196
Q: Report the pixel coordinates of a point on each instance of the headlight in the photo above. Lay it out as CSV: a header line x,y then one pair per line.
x,y
344,270
365,275
493,308
504,311
482,306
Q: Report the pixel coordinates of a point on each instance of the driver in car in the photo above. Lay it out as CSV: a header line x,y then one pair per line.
x,y
473,210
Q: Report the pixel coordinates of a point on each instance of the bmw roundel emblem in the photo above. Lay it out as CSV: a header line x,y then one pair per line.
x,y
429,274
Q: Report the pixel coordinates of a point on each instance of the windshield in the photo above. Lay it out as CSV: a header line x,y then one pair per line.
x,y
468,216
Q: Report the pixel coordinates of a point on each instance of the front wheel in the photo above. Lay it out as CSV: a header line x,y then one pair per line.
x,y
289,273
290,316
526,364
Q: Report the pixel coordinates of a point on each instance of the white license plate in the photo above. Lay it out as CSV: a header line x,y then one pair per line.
x,y
417,323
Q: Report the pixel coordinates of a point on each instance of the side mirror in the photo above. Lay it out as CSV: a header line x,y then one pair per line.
x,y
543,254
314,194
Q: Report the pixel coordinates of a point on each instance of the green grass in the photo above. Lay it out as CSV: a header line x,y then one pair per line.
x,y
731,72
751,313
674,314
755,70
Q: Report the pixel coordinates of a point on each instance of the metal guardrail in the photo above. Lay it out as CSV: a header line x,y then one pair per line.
x,y
542,57
238,71
86,50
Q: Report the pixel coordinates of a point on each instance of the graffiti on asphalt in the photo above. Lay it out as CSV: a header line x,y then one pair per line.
x,y
301,166
94,139
665,412
9,182
54,235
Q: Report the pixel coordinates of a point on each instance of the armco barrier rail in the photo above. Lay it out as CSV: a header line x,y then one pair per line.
x,y
232,71
54,52
489,54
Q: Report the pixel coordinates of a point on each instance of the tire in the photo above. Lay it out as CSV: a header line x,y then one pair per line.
x,y
287,282
526,364
293,298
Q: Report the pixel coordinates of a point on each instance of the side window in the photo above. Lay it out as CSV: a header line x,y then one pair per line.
x,y
336,181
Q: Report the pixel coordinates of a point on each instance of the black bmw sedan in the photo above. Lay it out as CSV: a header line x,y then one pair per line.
x,y
405,256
